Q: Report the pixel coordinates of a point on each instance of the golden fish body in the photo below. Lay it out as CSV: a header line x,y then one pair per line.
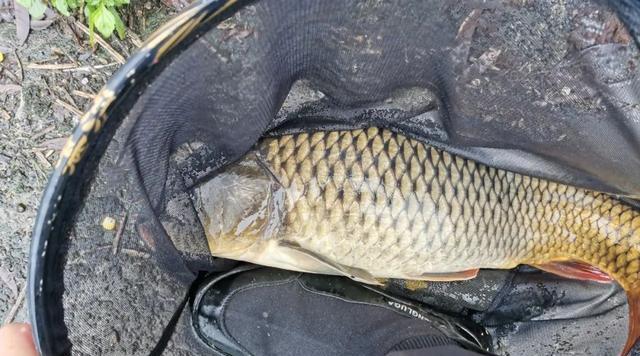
x,y
375,204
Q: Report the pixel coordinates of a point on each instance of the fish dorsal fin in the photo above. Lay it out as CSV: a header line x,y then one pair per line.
x,y
354,273
575,270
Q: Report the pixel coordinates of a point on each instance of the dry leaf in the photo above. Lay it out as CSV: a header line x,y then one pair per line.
x,y
53,144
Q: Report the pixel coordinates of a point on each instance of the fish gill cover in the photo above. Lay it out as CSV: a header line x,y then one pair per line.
x,y
548,89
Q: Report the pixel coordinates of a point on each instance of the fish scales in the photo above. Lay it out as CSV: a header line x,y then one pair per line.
x,y
376,201
399,208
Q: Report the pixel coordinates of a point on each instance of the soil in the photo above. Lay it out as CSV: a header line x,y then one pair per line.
x,y
45,84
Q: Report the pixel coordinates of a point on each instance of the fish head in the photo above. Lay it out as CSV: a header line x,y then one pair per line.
x,y
238,208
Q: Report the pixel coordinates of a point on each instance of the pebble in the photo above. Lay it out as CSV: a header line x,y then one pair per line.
x,y
84,56
115,337
109,223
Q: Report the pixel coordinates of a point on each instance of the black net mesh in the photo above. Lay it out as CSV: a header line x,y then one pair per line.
x,y
545,88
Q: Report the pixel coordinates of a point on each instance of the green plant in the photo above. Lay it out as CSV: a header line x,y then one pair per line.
x,y
101,15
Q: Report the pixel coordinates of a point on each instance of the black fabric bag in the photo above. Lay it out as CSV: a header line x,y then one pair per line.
x,y
274,312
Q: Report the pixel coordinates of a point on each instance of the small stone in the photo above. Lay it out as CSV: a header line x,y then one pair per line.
x,y
84,56
115,337
84,81
109,223
566,91
21,208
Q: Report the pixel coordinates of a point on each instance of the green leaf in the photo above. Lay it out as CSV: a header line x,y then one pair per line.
x,y
25,3
37,9
61,5
121,2
108,3
104,21
119,24
73,3
94,3
89,14
88,10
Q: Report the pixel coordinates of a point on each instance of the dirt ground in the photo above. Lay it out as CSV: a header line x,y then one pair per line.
x,y
45,85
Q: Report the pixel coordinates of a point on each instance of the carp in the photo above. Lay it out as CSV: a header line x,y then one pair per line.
x,y
373,204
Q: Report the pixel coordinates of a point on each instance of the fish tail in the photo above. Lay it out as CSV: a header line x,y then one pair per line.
x,y
633,299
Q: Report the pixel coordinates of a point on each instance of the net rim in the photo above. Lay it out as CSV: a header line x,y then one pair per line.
x,y
78,159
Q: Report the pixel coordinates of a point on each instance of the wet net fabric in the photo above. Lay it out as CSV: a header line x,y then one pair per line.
x,y
541,88
545,88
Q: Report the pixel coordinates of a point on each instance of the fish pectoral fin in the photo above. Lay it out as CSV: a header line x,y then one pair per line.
x,y
575,270
633,299
354,273
448,276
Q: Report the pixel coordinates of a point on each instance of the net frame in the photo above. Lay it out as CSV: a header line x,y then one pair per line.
x,y
78,160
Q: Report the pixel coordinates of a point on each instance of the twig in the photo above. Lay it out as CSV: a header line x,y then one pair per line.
x,y
41,133
15,53
38,170
116,240
74,32
90,68
83,94
69,67
11,75
46,60
51,66
73,60
55,144
16,306
42,159
134,39
134,253
69,107
46,84
120,59
67,96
